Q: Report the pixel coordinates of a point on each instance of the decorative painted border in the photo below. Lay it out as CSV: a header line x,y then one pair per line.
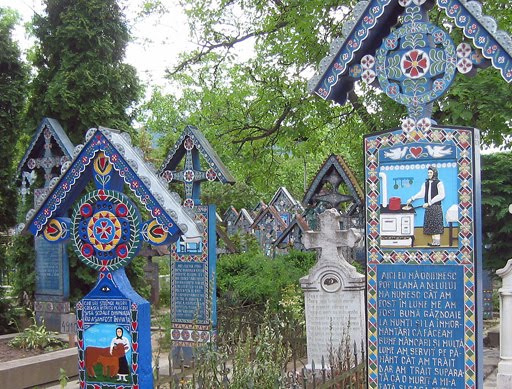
x,y
463,255
60,188
349,47
81,351
495,44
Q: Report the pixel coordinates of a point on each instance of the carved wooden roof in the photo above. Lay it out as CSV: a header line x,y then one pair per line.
x,y
334,171
376,49
133,170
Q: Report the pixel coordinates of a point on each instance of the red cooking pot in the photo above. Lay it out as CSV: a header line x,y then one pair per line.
x,y
394,204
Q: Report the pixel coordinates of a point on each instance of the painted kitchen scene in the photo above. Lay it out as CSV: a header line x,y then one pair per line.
x,y
418,196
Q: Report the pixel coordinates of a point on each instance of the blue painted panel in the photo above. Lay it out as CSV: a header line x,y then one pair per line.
x,y
189,291
420,325
52,268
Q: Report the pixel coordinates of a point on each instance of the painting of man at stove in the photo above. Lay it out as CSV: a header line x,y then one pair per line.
x,y
429,216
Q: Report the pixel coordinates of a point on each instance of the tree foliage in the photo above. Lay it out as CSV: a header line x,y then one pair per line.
x,y
81,78
496,199
245,86
252,278
13,86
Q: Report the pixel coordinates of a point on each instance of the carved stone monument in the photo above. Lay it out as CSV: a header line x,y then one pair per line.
x,y
333,291
504,378
106,230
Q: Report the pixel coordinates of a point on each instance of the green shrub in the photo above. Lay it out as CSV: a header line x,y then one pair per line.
x,y
37,337
253,278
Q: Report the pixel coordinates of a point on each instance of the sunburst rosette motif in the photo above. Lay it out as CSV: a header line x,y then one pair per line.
x,y
106,230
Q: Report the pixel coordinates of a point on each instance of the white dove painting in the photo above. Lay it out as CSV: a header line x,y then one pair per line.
x,y
396,154
438,151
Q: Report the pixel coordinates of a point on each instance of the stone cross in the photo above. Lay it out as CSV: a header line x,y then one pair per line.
x,y
333,291
330,238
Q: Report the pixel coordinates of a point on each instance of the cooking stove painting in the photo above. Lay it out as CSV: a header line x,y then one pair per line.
x,y
405,195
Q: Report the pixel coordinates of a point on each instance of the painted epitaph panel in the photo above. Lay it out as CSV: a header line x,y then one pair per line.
x,y
114,340
423,313
193,312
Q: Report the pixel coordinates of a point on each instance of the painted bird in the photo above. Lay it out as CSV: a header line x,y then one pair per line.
x,y
438,151
396,154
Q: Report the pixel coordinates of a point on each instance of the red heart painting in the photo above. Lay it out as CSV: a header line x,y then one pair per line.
x,y
416,151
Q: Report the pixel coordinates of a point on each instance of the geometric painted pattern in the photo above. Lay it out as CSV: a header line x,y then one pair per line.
x,y
464,141
105,230
100,143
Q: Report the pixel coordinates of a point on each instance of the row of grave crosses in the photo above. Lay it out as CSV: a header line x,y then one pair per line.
x,y
280,224
105,228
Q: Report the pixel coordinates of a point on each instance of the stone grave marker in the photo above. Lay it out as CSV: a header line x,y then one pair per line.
x,y
424,285
333,292
49,149
106,231
193,263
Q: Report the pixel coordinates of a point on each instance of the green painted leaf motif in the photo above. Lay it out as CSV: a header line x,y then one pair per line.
x,y
417,86
413,41
393,70
412,14
437,61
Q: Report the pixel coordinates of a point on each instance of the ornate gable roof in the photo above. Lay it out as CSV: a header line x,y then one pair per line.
x,y
131,170
49,134
283,201
334,171
363,52
298,223
269,212
231,214
244,216
190,146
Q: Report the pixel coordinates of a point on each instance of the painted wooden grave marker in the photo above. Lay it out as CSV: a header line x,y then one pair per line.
x,y
424,285
193,263
49,150
106,231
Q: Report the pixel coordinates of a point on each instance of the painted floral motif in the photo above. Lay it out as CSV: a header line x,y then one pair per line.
x,y
188,143
167,175
211,175
189,203
415,63
464,65
368,76
463,50
188,175
368,62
